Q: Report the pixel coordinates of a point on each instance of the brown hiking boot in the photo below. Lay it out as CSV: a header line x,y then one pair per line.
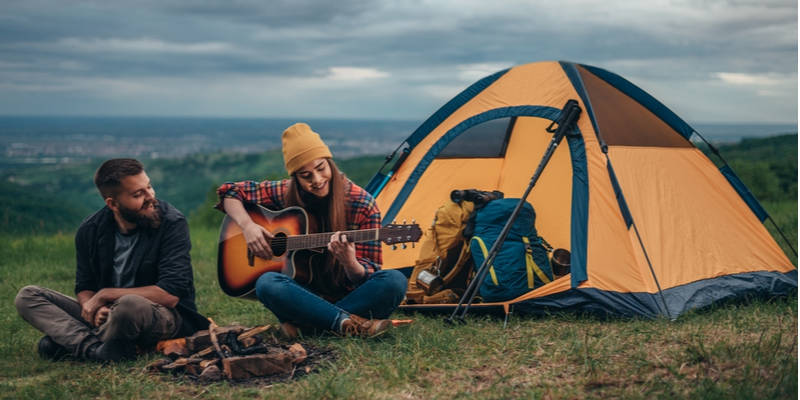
x,y
289,331
358,326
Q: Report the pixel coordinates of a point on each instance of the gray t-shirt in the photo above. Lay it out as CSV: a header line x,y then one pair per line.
x,y
124,270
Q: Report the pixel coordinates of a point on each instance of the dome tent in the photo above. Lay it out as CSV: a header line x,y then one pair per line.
x,y
653,227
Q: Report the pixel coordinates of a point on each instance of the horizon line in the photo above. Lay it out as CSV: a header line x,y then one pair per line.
x,y
220,117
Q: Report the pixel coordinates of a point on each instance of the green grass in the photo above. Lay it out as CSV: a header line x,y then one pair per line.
x,y
733,351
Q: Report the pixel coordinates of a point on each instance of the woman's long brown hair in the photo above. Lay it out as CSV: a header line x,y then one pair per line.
x,y
336,219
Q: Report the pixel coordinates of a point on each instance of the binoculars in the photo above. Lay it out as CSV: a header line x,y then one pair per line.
x,y
478,197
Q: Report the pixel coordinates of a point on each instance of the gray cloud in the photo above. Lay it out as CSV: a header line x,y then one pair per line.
x,y
398,59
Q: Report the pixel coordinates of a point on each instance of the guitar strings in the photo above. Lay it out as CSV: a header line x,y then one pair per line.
x,y
324,238
284,239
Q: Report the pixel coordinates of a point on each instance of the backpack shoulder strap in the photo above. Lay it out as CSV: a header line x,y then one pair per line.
x,y
485,255
532,266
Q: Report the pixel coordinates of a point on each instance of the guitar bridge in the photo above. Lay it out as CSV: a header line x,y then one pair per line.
x,y
251,258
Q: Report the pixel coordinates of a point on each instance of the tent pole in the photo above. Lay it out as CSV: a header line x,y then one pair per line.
x,y
652,271
782,235
626,215
566,123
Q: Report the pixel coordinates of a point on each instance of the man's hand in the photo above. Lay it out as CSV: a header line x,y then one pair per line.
x,y
101,316
257,238
90,308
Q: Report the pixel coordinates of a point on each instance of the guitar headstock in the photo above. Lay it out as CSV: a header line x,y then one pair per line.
x,y
394,234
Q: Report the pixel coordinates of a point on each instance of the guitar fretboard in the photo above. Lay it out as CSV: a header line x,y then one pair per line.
x,y
317,240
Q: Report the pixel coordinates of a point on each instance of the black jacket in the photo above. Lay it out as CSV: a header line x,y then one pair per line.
x,y
161,258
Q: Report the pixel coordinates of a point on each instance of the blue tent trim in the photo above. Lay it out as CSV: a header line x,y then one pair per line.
x,y
577,83
760,285
579,229
647,101
451,106
680,300
375,184
748,196
750,286
580,177
580,211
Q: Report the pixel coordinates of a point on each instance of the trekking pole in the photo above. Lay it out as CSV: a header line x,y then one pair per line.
x,y
566,123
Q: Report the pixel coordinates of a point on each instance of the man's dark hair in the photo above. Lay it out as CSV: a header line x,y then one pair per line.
x,y
108,176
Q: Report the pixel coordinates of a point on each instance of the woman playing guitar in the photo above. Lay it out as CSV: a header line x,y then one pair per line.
x,y
350,294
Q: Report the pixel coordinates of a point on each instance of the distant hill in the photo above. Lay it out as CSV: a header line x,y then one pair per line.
x,y
782,147
183,182
26,210
58,197
768,166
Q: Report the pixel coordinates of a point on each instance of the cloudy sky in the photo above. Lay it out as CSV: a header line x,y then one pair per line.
x,y
707,60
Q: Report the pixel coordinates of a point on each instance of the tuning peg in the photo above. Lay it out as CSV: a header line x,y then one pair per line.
x,y
414,221
394,247
404,246
404,221
394,221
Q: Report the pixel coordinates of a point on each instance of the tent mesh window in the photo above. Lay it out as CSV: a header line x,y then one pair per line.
x,y
486,140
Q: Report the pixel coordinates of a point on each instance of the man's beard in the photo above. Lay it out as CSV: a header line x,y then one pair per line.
x,y
145,221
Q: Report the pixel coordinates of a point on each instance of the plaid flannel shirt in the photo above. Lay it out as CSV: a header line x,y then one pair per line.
x,y
361,213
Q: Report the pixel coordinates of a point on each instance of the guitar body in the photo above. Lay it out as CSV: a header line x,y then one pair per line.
x,y
237,276
299,250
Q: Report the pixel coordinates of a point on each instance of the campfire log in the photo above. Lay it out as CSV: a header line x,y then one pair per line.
x,y
158,364
257,365
234,353
202,339
176,366
211,330
277,361
249,341
253,332
202,353
175,350
211,374
193,369
298,353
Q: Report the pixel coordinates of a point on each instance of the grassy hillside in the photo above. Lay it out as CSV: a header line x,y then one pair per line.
x,y
182,182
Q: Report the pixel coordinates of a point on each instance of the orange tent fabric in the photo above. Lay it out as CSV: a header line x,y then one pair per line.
x,y
653,226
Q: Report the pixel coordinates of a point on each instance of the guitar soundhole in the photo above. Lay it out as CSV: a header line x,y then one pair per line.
x,y
279,244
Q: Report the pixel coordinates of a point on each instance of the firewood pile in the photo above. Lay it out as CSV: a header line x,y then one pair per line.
x,y
237,354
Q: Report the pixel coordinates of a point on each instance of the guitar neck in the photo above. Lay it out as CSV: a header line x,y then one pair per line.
x,y
317,240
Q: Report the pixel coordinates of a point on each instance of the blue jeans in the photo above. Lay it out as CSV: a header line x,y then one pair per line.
x,y
376,298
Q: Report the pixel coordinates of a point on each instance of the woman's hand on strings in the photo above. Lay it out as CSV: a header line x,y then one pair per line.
x,y
345,253
343,250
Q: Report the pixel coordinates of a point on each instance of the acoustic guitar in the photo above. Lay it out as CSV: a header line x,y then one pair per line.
x,y
298,250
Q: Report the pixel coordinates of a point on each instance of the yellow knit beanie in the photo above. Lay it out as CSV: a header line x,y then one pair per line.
x,y
301,145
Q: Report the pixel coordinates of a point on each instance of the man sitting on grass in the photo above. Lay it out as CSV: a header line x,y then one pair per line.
x,y
134,281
